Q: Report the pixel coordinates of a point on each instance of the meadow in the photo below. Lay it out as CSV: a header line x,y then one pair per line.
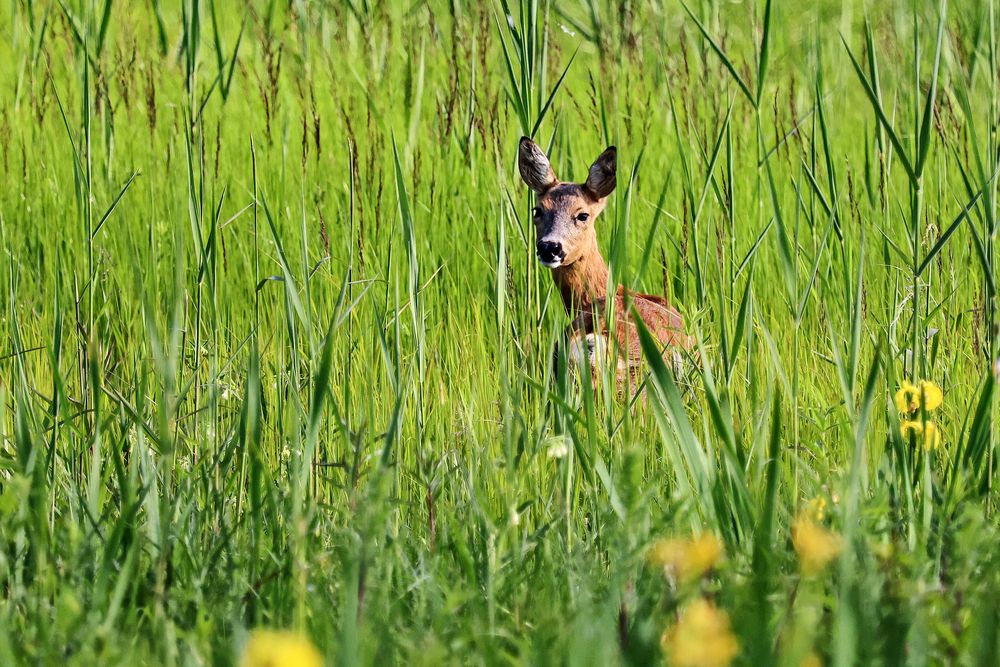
x,y
277,352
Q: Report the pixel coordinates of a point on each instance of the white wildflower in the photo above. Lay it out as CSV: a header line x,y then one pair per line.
x,y
558,447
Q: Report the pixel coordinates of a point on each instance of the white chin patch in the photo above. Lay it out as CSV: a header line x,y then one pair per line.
x,y
551,265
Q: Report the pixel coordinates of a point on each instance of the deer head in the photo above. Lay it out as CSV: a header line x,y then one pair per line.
x,y
565,213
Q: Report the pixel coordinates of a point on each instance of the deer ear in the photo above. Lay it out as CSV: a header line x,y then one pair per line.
x,y
601,179
534,166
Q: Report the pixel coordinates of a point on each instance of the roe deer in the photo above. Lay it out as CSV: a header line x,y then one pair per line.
x,y
566,242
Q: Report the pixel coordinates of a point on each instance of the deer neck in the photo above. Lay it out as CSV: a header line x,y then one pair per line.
x,y
582,282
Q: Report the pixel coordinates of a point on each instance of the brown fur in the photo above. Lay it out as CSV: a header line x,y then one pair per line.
x,y
582,276
583,287
660,318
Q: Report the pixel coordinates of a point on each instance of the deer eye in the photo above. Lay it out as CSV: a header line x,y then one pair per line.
x,y
536,212
583,217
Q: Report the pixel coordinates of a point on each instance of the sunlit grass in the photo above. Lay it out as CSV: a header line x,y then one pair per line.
x,y
278,354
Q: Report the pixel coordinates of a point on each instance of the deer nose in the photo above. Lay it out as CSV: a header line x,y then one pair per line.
x,y
550,252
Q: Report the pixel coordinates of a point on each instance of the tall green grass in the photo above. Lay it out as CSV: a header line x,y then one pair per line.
x,y
277,351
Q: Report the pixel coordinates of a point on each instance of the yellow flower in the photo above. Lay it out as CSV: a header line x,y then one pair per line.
x,y
701,637
933,396
686,559
811,660
910,396
882,550
270,648
926,434
815,545
906,397
816,508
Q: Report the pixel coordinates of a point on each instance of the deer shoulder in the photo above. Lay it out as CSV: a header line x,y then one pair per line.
x,y
589,334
